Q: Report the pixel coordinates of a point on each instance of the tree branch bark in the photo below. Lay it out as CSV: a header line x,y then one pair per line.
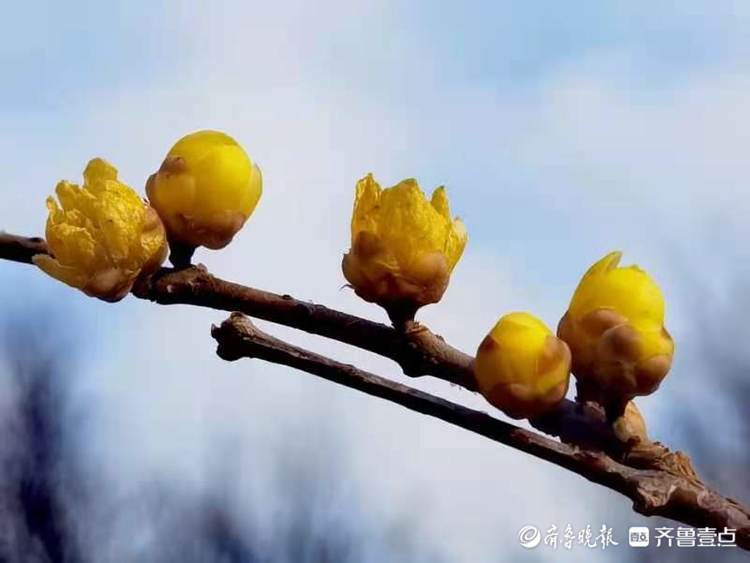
x,y
681,497
417,350
659,481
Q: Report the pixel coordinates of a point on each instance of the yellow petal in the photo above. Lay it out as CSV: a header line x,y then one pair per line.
x,y
71,244
440,203
193,147
455,243
222,178
628,290
99,170
68,275
366,202
408,223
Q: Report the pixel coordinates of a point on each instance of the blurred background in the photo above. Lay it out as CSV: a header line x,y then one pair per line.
x,y
562,131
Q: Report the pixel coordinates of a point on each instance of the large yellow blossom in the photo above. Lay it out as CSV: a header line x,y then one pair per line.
x,y
615,329
205,190
521,367
404,246
101,235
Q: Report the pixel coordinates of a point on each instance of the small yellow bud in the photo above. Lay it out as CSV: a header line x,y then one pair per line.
x,y
615,329
521,367
404,246
102,236
205,190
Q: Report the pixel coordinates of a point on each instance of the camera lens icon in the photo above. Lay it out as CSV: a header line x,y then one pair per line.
x,y
638,536
529,537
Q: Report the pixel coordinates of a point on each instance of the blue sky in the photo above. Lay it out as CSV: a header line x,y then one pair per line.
x,y
562,131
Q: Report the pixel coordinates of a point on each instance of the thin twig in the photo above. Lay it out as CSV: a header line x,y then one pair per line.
x,y
677,496
417,351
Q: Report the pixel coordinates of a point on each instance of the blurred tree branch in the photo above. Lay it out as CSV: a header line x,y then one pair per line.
x,y
657,480
38,480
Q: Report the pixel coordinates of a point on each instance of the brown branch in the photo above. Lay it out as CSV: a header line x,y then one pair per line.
x,y
420,352
20,249
417,350
677,494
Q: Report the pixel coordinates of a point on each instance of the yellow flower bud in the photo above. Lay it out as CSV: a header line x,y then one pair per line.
x,y
102,236
404,246
205,190
521,367
615,329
